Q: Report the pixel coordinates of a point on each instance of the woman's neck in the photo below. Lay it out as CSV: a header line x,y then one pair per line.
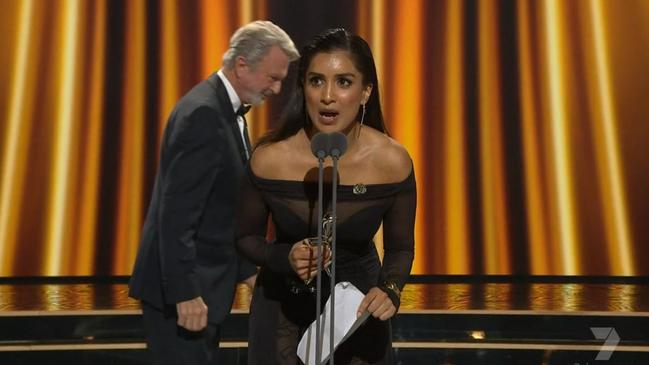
x,y
353,133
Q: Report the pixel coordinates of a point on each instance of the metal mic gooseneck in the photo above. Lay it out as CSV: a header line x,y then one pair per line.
x,y
337,147
323,145
319,144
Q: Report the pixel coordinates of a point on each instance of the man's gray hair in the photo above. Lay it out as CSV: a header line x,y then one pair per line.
x,y
254,40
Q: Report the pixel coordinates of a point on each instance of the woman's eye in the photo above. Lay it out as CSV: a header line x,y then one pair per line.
x,y
345,82
315,81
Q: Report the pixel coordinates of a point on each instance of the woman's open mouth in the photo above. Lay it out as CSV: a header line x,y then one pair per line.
x,y
328,116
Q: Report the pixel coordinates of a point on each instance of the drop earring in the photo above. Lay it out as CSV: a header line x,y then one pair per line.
x,y
362,120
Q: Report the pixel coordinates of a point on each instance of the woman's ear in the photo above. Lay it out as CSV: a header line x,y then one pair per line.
x,y
366,93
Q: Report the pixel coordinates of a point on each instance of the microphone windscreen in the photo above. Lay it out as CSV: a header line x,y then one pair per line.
x,y
319,145
337,144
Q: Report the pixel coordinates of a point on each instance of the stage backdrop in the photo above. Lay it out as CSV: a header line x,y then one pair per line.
x,y
527,122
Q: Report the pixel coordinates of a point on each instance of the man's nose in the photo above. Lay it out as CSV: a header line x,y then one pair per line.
x,y
276,87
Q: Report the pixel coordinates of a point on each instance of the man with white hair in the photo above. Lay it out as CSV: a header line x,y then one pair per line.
x,y
187,267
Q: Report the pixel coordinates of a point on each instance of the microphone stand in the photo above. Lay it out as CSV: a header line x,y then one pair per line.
x,y
318,341
322,145
334,199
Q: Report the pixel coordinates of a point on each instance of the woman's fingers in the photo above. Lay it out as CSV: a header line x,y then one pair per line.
x,y
378,304
304,259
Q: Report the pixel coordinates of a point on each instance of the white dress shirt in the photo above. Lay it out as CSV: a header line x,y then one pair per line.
x,y
236,103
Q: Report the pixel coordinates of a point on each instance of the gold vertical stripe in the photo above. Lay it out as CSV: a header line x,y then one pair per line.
x,y
538,253
91,170
75,173
378,38
364,20
18,127
620,249
169,63
408,104
560,147
457,232
494,218
544,138
246,12
215,32
132,133
59,194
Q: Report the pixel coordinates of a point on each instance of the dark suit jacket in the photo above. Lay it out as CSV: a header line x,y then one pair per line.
x,y
187,245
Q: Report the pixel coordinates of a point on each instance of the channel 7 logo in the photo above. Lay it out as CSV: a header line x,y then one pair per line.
x,y
611,339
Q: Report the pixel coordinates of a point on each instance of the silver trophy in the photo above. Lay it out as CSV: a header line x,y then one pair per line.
x,y
327,229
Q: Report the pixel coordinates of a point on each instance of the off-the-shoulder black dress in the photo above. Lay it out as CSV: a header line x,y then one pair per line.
x,y
282,307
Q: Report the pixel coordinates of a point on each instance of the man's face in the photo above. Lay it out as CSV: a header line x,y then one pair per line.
x,y
265,78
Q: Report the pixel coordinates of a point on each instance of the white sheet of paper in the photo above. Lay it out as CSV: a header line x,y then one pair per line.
x,y
348,298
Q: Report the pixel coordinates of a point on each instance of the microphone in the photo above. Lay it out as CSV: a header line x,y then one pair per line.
x,y
337,144
319,145
329,144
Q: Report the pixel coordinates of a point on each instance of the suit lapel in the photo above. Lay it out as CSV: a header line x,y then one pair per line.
x,y
226,108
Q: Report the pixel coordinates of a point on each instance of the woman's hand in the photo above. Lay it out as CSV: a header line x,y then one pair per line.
x,y
304,259
378,303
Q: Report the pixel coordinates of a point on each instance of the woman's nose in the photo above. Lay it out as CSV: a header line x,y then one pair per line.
x,y
328,95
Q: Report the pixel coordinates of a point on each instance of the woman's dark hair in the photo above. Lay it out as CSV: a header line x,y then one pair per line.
x,y
294,116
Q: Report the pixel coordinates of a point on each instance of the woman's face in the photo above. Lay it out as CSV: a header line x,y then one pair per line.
x,y
334,92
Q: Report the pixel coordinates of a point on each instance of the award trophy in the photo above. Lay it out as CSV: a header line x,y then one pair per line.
x,y
327,229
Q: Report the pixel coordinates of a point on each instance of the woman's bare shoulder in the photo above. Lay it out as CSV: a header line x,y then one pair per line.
x,y
266,160
280,160
390,156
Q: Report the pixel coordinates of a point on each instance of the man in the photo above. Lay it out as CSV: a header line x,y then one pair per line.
x,y
187,268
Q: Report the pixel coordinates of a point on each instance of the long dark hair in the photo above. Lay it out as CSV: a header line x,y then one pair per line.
x,y
294,116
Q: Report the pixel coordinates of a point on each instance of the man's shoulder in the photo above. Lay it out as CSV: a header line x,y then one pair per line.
x,y
203,94
202,98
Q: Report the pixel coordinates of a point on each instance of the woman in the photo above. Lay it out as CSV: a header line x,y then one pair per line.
x,y
337,91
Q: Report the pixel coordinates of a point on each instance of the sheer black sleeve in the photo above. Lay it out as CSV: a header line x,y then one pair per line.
x,y
399,236
252,222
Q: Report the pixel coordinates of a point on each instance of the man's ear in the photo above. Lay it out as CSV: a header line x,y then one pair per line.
x,y
240,64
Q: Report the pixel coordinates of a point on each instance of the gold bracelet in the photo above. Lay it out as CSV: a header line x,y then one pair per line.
x,y
393,287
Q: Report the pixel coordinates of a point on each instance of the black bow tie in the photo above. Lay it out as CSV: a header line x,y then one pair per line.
x,y
243,109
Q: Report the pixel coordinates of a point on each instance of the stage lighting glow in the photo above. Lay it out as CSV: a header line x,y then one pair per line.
x,y
57,228
477,335
611,176
13,163
561,155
